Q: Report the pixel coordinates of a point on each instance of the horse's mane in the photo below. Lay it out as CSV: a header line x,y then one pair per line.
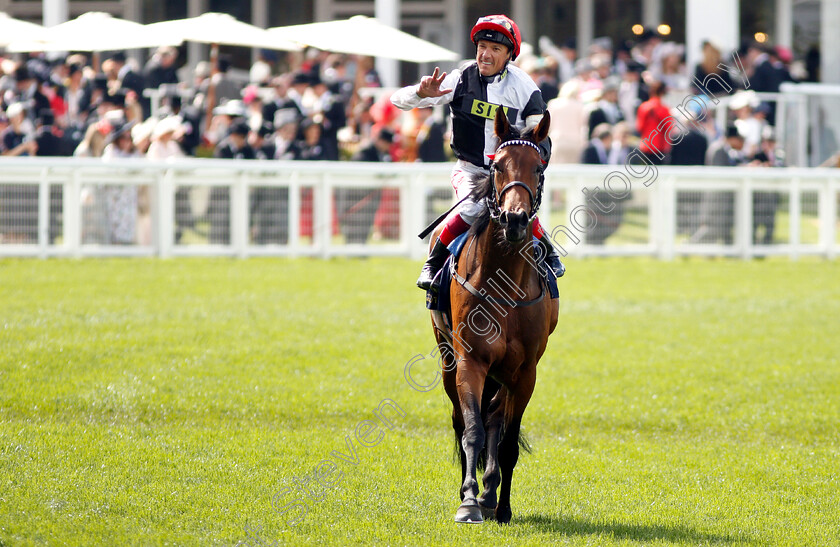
x,y
483,189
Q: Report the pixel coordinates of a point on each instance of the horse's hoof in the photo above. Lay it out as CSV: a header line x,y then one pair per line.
x,y
503,515
469,514
489,513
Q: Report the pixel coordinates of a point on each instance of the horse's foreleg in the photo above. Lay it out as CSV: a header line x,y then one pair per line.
x,y
451,388
509,445
493,427
470,385
508,456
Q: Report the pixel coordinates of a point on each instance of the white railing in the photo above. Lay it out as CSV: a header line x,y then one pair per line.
x,y
327,209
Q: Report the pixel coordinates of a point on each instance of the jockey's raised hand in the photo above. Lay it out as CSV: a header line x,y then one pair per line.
x,y
430,85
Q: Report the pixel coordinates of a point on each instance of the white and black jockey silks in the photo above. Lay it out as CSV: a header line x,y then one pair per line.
x,y
474,106
473,103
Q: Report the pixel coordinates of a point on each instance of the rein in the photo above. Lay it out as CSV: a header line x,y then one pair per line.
x,y
495,214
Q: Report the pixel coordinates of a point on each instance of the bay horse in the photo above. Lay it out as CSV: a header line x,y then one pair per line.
x,y
504,317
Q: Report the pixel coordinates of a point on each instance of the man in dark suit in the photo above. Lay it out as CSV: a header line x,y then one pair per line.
x,y
717,209
332,116
127,76
690,150
234,146
607,109
28,92
596,153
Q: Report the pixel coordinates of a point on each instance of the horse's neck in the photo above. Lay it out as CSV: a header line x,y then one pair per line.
x,y
498,261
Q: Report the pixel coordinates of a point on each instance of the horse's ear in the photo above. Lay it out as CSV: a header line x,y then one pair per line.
x,y
541,131
502,126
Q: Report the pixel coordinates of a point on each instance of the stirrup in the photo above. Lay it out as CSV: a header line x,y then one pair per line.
x,y
433,264
554,264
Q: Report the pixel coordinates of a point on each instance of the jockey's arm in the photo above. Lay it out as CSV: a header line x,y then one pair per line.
x,y
407,97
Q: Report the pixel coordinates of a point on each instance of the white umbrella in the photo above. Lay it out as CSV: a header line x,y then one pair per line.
x,y
220,28
94,31
12,29
365,36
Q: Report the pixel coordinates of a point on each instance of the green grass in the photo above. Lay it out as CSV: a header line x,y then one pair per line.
x,y
166,401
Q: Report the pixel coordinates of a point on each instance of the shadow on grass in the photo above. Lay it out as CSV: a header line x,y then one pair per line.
x,y
639,532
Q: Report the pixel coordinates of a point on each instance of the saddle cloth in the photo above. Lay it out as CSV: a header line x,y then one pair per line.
x,y
437,297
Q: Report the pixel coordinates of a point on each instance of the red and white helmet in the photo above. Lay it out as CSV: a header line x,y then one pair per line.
x,y
500,29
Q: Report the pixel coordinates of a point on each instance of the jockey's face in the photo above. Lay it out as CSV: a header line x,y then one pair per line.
x,y
491,57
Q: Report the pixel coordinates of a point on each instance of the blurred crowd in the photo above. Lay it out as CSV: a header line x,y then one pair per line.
x,y
323,106
605,102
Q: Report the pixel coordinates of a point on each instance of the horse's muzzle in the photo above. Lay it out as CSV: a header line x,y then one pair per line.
x,y
515,225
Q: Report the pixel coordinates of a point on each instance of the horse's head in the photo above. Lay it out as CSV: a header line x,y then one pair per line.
x,y
516,173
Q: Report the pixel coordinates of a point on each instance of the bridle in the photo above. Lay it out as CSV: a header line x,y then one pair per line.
x,y
495,214
495,199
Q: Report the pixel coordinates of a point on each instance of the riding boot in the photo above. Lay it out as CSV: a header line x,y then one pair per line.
x,y
552,259
433,265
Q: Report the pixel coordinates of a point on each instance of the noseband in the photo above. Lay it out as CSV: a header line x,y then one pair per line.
x,y
495,199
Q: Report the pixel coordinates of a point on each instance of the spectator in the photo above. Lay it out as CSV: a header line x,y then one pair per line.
x,y
620,148
164,140
161,68
693,143
281,100
128,77
632,92
743,105
29,92
710,65
668,67
651,113
262,142
330,113
765,204
226,89
285,145
16,140
717,209
18,203
568,124
77,98
269,208
234,146
121,201
431,136
599,145
48,142
606,110
564,56
297,90
260,72
690,149
310,145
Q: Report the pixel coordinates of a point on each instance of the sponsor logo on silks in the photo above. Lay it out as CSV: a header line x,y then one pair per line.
x,y
486,110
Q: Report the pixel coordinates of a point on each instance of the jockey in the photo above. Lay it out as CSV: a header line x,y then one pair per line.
x,y
473,95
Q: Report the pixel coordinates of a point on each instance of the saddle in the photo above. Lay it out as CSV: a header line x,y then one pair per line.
x,y
437,297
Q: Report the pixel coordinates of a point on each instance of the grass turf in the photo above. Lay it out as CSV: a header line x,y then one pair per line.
x,y
170,401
